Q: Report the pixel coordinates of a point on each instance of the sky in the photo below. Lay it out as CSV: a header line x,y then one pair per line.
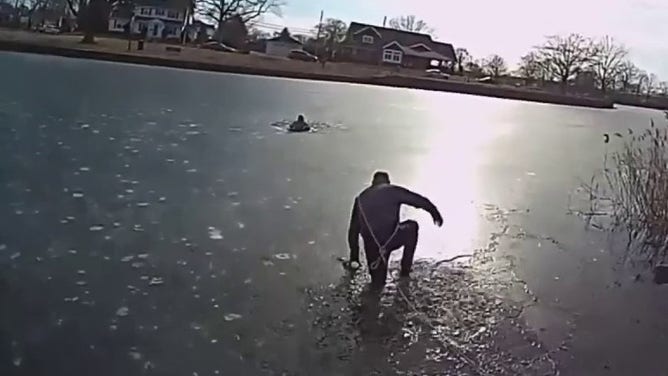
x,y
509,28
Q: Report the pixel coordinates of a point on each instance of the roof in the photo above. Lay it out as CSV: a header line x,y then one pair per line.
x,y
123,9
172,4
408,38
284,37
6,8
200,23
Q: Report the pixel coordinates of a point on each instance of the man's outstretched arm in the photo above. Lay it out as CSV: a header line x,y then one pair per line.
x,y
353,234
417,201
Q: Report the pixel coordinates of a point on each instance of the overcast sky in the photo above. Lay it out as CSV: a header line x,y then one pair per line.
x,y
511,27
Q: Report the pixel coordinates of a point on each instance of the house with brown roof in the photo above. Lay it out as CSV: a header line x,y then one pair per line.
x,y
371,44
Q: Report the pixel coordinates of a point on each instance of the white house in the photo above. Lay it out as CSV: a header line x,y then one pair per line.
x,y
282,44
198,29
159,19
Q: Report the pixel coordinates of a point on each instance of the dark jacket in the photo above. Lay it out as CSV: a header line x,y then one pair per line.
x,y
381,205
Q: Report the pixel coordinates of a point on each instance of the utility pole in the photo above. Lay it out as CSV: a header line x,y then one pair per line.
x,y
384,21
317,38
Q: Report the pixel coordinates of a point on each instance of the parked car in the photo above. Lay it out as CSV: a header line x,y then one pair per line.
x,y
302,55
217,46
436,73
49,29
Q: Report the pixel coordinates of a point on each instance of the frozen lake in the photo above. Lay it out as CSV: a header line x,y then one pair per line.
x,y
153,220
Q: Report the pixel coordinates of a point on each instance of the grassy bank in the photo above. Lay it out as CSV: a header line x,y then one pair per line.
x,y
112,49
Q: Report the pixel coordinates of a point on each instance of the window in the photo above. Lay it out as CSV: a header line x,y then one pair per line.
x,y
172,14
159,11
145,11
367,39
392,56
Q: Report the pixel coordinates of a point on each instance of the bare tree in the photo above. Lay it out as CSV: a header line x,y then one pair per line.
x,y
607,61
566,56
495,65
474,67
92,16
643,77
411,23
651,83
247,10
33,5
463,57
628,74
333,31
533,67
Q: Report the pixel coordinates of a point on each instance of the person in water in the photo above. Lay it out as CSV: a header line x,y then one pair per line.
x,y
375,216
300,125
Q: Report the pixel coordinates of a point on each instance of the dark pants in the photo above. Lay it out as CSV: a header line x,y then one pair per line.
x,y
406,237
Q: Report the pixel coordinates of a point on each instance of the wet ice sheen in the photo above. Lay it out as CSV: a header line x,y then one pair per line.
x,y
215,233
232,316
156,281
122,311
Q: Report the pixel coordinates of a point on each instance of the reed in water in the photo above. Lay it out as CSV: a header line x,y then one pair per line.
x,y
633,189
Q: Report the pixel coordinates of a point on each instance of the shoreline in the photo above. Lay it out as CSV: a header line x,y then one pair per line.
x,y
392,80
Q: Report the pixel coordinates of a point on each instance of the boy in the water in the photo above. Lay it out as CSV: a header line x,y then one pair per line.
x,y
300,125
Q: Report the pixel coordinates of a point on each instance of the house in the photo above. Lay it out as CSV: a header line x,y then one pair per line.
x,y
157,19
282,44
57,15
371,44
199,31
6,13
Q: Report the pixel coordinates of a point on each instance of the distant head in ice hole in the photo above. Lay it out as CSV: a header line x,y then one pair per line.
x,y
299,125
375,216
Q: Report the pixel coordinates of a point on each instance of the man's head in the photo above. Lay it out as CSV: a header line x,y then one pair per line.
x,y
300,118
380,177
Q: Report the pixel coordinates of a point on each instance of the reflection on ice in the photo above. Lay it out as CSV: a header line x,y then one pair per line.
x,y
122,311
215,233
232,316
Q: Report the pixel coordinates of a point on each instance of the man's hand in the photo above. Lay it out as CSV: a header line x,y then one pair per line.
x,y
350,265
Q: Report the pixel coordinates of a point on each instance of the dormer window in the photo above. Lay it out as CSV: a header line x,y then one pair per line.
x,y
367,39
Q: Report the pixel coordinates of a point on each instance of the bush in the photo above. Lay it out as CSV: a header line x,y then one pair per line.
x,y
633,187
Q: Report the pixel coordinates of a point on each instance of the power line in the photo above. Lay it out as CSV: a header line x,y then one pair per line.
x,y
272,26
291,29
